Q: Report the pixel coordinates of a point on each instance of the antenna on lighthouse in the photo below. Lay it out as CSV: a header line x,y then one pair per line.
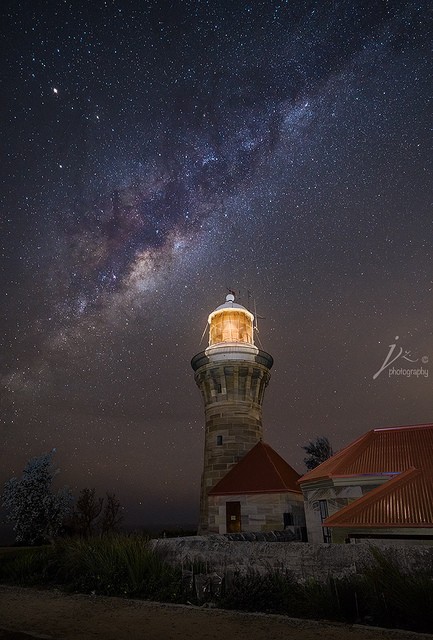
x,y
256,323
204,333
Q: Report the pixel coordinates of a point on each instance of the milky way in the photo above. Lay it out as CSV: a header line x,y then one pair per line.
x,y
159,153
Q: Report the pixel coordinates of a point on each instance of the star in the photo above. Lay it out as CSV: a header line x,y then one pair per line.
x,y
279,150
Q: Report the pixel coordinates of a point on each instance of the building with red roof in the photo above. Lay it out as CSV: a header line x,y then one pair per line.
x,y
259,493
378,487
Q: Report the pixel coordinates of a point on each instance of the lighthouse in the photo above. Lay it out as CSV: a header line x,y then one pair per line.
x,y
232,375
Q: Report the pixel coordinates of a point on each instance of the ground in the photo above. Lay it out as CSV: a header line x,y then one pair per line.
x,y
29,613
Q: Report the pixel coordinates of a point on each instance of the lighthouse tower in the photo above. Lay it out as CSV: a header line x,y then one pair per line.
x,y
232,374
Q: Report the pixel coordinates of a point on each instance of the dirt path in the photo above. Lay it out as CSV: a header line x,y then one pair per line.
x,y
54,615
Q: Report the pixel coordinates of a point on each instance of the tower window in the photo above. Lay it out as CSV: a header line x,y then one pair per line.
x,y
219,441
218,388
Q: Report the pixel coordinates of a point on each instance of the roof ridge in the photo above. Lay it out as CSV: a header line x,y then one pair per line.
x,y
358,447
424,425
268,448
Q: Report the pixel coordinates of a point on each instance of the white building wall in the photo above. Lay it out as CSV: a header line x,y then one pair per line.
x,y
334,497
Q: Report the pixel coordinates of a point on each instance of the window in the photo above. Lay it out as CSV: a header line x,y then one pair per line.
x,y
323,507
219,441
288,519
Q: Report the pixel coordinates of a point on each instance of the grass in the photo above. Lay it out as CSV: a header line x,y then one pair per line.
x,y
400,598
383,595
25,565
115,565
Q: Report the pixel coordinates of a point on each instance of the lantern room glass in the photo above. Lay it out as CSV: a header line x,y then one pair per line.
x,y
231,325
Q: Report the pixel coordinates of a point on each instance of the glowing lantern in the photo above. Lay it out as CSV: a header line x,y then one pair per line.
x,y
231,322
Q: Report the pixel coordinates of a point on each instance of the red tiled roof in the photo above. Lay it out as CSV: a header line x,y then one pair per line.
x,y
404,501
389,450
261,470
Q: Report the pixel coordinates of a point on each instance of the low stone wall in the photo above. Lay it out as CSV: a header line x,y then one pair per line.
x,y
303,560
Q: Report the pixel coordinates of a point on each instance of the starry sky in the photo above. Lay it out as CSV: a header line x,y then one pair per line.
x,y
156,154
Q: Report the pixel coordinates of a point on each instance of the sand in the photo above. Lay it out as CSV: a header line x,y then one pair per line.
x,y
30,613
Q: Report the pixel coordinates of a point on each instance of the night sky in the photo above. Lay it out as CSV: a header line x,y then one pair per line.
x,y
155,154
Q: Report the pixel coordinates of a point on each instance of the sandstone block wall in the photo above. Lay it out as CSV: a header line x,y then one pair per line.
x,y
232,392
303,560
259,512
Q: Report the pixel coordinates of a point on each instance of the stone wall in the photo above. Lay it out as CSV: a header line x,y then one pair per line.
x,y
260,511
303,560
232,391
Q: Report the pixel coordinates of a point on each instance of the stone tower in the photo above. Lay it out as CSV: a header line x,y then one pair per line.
x,y
232,374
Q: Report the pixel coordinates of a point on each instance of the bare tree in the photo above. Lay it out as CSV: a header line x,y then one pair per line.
x,y
87,511
112,515
318,451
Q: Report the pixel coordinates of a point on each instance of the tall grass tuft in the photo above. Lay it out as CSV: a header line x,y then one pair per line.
x,y
116,565
398,598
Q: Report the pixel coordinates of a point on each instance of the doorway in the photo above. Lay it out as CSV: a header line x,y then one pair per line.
x,y
233,517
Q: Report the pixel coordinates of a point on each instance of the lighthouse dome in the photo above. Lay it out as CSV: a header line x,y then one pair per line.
x,y
231,322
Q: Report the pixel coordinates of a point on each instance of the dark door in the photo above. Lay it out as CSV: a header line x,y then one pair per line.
x,y
233,517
